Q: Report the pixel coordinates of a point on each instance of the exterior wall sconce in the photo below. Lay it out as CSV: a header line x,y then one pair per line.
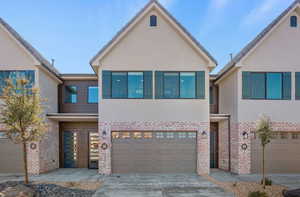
x,y
104,133
245,135
203,133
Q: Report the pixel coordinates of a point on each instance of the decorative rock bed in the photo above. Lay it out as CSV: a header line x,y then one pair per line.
x,y
19,189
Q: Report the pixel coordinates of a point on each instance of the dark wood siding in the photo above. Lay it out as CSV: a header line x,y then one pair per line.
x,y
82,105
282,155
164,152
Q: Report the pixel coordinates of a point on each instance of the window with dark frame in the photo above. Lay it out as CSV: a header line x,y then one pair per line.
x,y
266,85
127,85
71,94
93,94
153,21
293,21
179,85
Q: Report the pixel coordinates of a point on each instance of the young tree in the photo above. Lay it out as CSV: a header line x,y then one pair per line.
x,y
22,114
265,134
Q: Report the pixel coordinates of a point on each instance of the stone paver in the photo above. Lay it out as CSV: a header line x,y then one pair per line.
x,y
159,185
292,181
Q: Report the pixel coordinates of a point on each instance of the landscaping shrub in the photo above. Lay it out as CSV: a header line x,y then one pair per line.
x,y
268,181
257,194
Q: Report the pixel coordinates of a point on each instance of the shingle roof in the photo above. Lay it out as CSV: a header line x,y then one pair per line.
x,y
137,15
253,43
30,48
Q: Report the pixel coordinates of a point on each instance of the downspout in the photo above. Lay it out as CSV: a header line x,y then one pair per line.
x,y
229,145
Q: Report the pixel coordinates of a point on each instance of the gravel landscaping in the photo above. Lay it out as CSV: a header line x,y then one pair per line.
x,y
64,189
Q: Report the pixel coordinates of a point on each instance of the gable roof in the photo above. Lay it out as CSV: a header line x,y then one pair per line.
x,y
151,3
256,40
30,49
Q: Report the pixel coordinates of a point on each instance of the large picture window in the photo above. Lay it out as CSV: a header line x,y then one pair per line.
x,y
267,85
179,85
14,75
127,85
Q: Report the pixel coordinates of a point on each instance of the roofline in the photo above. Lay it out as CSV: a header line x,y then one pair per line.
x,y
133,20
255,41
71,76
35,54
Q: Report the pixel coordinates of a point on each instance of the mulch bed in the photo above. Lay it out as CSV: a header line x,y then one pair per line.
x,y
51,190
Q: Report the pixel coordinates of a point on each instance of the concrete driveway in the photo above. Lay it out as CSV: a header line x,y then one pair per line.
x,y
159,185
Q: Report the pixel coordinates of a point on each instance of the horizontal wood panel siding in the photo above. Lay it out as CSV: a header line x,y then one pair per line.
x,y
82,105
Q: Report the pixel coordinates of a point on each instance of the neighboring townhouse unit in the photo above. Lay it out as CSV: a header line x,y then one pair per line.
x,y
152,105
264,79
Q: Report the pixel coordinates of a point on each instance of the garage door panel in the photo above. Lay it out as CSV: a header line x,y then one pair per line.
x,y
11,157
155,155
282,156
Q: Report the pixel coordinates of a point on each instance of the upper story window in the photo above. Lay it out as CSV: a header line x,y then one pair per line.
x,y
3,135
180,85
267,86
127,85
14,75
153,21
297,85
293,21
70,94
93,94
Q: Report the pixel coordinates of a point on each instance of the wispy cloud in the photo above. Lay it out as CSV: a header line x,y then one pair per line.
x,y
219,4
258,13
167,3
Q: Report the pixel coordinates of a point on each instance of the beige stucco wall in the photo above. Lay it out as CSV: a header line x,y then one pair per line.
x,y
228,91
10,52
279,52
160,48
152,47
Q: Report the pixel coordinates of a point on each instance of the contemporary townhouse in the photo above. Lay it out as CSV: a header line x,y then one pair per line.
x,y
152,105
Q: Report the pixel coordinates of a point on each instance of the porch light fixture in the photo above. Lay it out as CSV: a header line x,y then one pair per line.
x,y
104,133
203,133
245,135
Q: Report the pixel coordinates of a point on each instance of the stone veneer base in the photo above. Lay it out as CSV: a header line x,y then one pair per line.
x,y
202,140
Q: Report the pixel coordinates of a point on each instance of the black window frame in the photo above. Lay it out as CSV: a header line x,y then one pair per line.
x,y
111,89
179,72
88,95
65,94
266,91
153,21
293,21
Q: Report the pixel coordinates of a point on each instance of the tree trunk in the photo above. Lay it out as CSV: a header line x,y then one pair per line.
x,y
25,162
263,167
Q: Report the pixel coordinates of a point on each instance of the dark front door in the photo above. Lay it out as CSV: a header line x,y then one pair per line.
x,y
70,149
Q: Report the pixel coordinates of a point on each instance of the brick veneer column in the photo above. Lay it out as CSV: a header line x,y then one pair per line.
x,y
202,140
223,145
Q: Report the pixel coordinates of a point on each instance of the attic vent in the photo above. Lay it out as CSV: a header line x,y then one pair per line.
x,y
153,21
294,21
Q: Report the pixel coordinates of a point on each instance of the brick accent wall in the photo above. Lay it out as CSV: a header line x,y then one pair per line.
x,y
223,145
202,140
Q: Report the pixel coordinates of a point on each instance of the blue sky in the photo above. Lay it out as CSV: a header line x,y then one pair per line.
x,y
73,31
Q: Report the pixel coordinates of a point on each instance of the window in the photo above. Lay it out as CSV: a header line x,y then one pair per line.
x,y
293,21
127,85
153,21
93,94
3,135
135,85
179,85
14,75
268,86
274,85
70,94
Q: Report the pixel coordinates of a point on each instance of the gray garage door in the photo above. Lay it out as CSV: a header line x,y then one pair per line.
x,y
154,152
11,158
282,154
